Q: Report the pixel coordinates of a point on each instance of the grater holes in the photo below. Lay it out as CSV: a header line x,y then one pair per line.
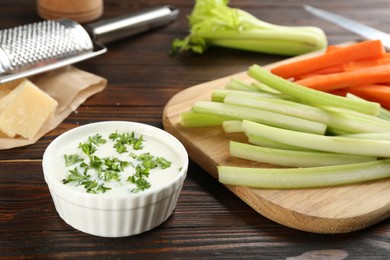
x,y
40,42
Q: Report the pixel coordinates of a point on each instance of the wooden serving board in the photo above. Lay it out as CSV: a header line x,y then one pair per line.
x,y
322,210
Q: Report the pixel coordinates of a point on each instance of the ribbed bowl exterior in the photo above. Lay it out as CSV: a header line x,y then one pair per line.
x,y
100,219
113,215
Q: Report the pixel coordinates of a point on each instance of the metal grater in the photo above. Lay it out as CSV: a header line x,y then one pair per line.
x,y
43,46
41,43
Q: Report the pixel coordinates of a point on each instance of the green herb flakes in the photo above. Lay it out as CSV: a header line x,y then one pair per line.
x,y
95,173
126,139
72,159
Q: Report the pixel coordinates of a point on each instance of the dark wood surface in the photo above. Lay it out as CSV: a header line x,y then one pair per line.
x,y
209,221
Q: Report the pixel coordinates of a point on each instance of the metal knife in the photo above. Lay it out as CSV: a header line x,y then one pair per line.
x,y
353,26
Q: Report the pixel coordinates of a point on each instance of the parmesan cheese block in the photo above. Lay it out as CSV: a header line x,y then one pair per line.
x,y
2,135
6,88
4,91
24,110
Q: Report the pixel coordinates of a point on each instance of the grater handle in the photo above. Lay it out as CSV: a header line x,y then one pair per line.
x,y
116,28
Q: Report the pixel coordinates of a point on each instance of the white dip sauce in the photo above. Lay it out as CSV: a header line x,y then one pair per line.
x,y
157,178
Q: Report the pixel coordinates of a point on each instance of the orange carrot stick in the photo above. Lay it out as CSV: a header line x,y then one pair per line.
x,y
331,69
333,81
328,70
349,66
373,92
362,50
332,48
362,64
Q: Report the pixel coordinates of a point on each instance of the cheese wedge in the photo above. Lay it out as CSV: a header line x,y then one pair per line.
x,y
2,135
6,88
24,110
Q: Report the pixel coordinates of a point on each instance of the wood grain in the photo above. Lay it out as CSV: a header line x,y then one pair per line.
x,y
324,210
209,222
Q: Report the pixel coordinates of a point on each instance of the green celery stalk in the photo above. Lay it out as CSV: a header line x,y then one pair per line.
x,y
236,84
383,112
264,88
193,119
280,106
354,122
311,96
219,94
232,126
266,142
292,158
311,177
336,144
213,22
257,115
278,41
370,136
334,131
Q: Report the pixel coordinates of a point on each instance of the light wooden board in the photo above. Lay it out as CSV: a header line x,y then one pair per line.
x,y
323,210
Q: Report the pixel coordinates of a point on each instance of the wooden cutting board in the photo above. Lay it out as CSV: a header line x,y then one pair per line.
x,y
323,210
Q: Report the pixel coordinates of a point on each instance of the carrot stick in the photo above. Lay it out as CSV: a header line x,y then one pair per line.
x,y
373,92
328,70
333,81
349,66
363,50
362,64
331,69
332,48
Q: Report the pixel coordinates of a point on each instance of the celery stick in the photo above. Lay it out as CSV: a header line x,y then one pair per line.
x,y
232,126
335,131
213,22
282,42
193,119
370,136
383,112
311,177
280,106
264,88
356,114
219,95
310,96
335,144
257,115
292,158
235,84
355,122
261,141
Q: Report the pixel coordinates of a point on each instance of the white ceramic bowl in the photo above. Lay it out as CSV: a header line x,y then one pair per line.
x,y
113,215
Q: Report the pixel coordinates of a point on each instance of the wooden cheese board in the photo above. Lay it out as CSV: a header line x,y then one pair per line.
x,y
322,210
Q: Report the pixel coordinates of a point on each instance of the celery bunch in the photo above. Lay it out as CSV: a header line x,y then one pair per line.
x,y
323,139
213,22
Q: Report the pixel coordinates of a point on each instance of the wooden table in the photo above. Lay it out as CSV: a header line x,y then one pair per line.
x,y
209,221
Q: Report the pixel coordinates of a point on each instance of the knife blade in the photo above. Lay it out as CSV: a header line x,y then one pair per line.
x,y
351,25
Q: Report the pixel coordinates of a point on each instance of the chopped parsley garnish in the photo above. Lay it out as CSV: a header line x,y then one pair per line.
x,y
126,139
141,183
75,176
87,148
164,163
96,139
72,159
94,172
